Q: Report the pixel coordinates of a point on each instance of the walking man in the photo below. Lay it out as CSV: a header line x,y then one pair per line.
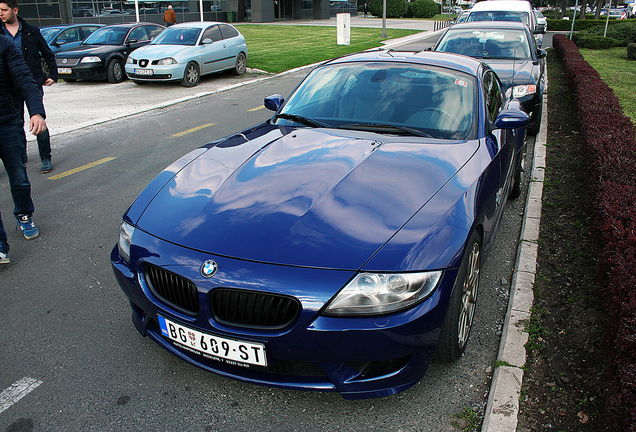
x,y
169,16
18,87
28,39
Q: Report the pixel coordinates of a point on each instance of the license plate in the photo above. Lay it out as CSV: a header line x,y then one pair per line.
x,y
144,72
230,351
64,70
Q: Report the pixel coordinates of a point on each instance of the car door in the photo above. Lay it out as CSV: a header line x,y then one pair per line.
x,y
234,43
69,38
213,51
501,144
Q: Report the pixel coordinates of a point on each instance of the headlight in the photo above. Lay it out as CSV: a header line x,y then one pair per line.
x,y
166,61
521,91
91,59
126,232
380,293
131,60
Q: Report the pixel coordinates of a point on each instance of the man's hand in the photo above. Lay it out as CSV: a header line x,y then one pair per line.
x,y
49,82
37,124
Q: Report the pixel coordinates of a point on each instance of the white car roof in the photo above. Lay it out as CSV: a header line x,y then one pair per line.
x,y
513,5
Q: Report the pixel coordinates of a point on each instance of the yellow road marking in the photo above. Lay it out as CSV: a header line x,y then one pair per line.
x,y
257,108
82,168
194,129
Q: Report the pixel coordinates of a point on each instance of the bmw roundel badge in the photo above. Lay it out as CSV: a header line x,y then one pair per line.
x,y
209,268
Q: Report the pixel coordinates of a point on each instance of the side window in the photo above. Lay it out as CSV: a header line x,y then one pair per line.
x,y
493,95
70,35
154,30
228,31
88,30
139,34
212,32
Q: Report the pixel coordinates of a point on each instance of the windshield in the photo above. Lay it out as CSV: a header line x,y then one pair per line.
x,y
487,44
107,36
177,36
49,32
499,16
430,101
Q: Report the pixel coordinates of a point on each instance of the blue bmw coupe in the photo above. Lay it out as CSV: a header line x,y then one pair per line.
x,y
338,245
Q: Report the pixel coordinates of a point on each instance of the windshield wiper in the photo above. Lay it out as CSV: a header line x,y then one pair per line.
x,y
373,127
303,120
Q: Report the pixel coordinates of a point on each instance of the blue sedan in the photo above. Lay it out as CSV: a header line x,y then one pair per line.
x,y
338,245
185,52
66,36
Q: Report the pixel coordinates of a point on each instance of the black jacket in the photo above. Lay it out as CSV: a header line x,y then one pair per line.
x,y
35,48
16,85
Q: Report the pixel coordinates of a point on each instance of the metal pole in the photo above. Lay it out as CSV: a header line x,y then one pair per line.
x,y
384,18
574,18
608,14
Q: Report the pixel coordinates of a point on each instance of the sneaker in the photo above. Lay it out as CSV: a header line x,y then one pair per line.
x,y
27,226
4,257
47,166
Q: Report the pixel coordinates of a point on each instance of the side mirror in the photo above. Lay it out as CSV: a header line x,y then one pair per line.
x,y
206,41
541,53
511,119
274,102
59,42
131,41
539,29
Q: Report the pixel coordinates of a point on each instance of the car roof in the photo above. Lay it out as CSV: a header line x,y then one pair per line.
x,y
504,5
464,64
479,25
196,24
130,25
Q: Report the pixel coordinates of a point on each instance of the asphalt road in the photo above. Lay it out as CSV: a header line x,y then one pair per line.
x,y
66,324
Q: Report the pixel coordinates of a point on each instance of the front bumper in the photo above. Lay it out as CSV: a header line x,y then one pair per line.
x,y
90,71
159,73
359,357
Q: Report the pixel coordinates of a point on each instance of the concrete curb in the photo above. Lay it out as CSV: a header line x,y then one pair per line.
x,y
502,409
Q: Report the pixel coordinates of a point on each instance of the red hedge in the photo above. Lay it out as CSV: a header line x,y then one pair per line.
x,y
609,147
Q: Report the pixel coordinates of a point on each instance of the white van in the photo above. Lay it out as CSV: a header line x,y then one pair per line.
x,y
508,10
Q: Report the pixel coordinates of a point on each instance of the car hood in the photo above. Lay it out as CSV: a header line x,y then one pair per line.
x,y
85,50
158,51
306,197
522,70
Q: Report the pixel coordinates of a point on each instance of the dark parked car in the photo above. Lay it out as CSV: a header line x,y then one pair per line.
x,y
338,245
66,36
103,54
510,49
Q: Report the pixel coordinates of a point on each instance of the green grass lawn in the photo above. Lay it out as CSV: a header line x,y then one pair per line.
x,y
618,72
277,48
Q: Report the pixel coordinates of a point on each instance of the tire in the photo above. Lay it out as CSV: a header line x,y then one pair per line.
x,y
536,126
241,64
461,309
115,71
191,75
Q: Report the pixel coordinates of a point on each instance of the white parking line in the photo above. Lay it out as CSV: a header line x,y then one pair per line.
x,y
17,391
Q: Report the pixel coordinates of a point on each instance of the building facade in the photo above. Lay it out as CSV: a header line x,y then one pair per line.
x,y
50,12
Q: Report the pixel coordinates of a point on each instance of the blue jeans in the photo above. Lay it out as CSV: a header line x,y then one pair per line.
x,y
13,155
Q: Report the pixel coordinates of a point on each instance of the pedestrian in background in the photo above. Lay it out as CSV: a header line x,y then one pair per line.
x,y
18,87
28,39
169,17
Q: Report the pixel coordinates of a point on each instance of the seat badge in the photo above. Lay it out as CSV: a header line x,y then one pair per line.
x,y
209,268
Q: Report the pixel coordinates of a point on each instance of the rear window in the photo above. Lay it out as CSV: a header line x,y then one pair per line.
x,y
523,17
